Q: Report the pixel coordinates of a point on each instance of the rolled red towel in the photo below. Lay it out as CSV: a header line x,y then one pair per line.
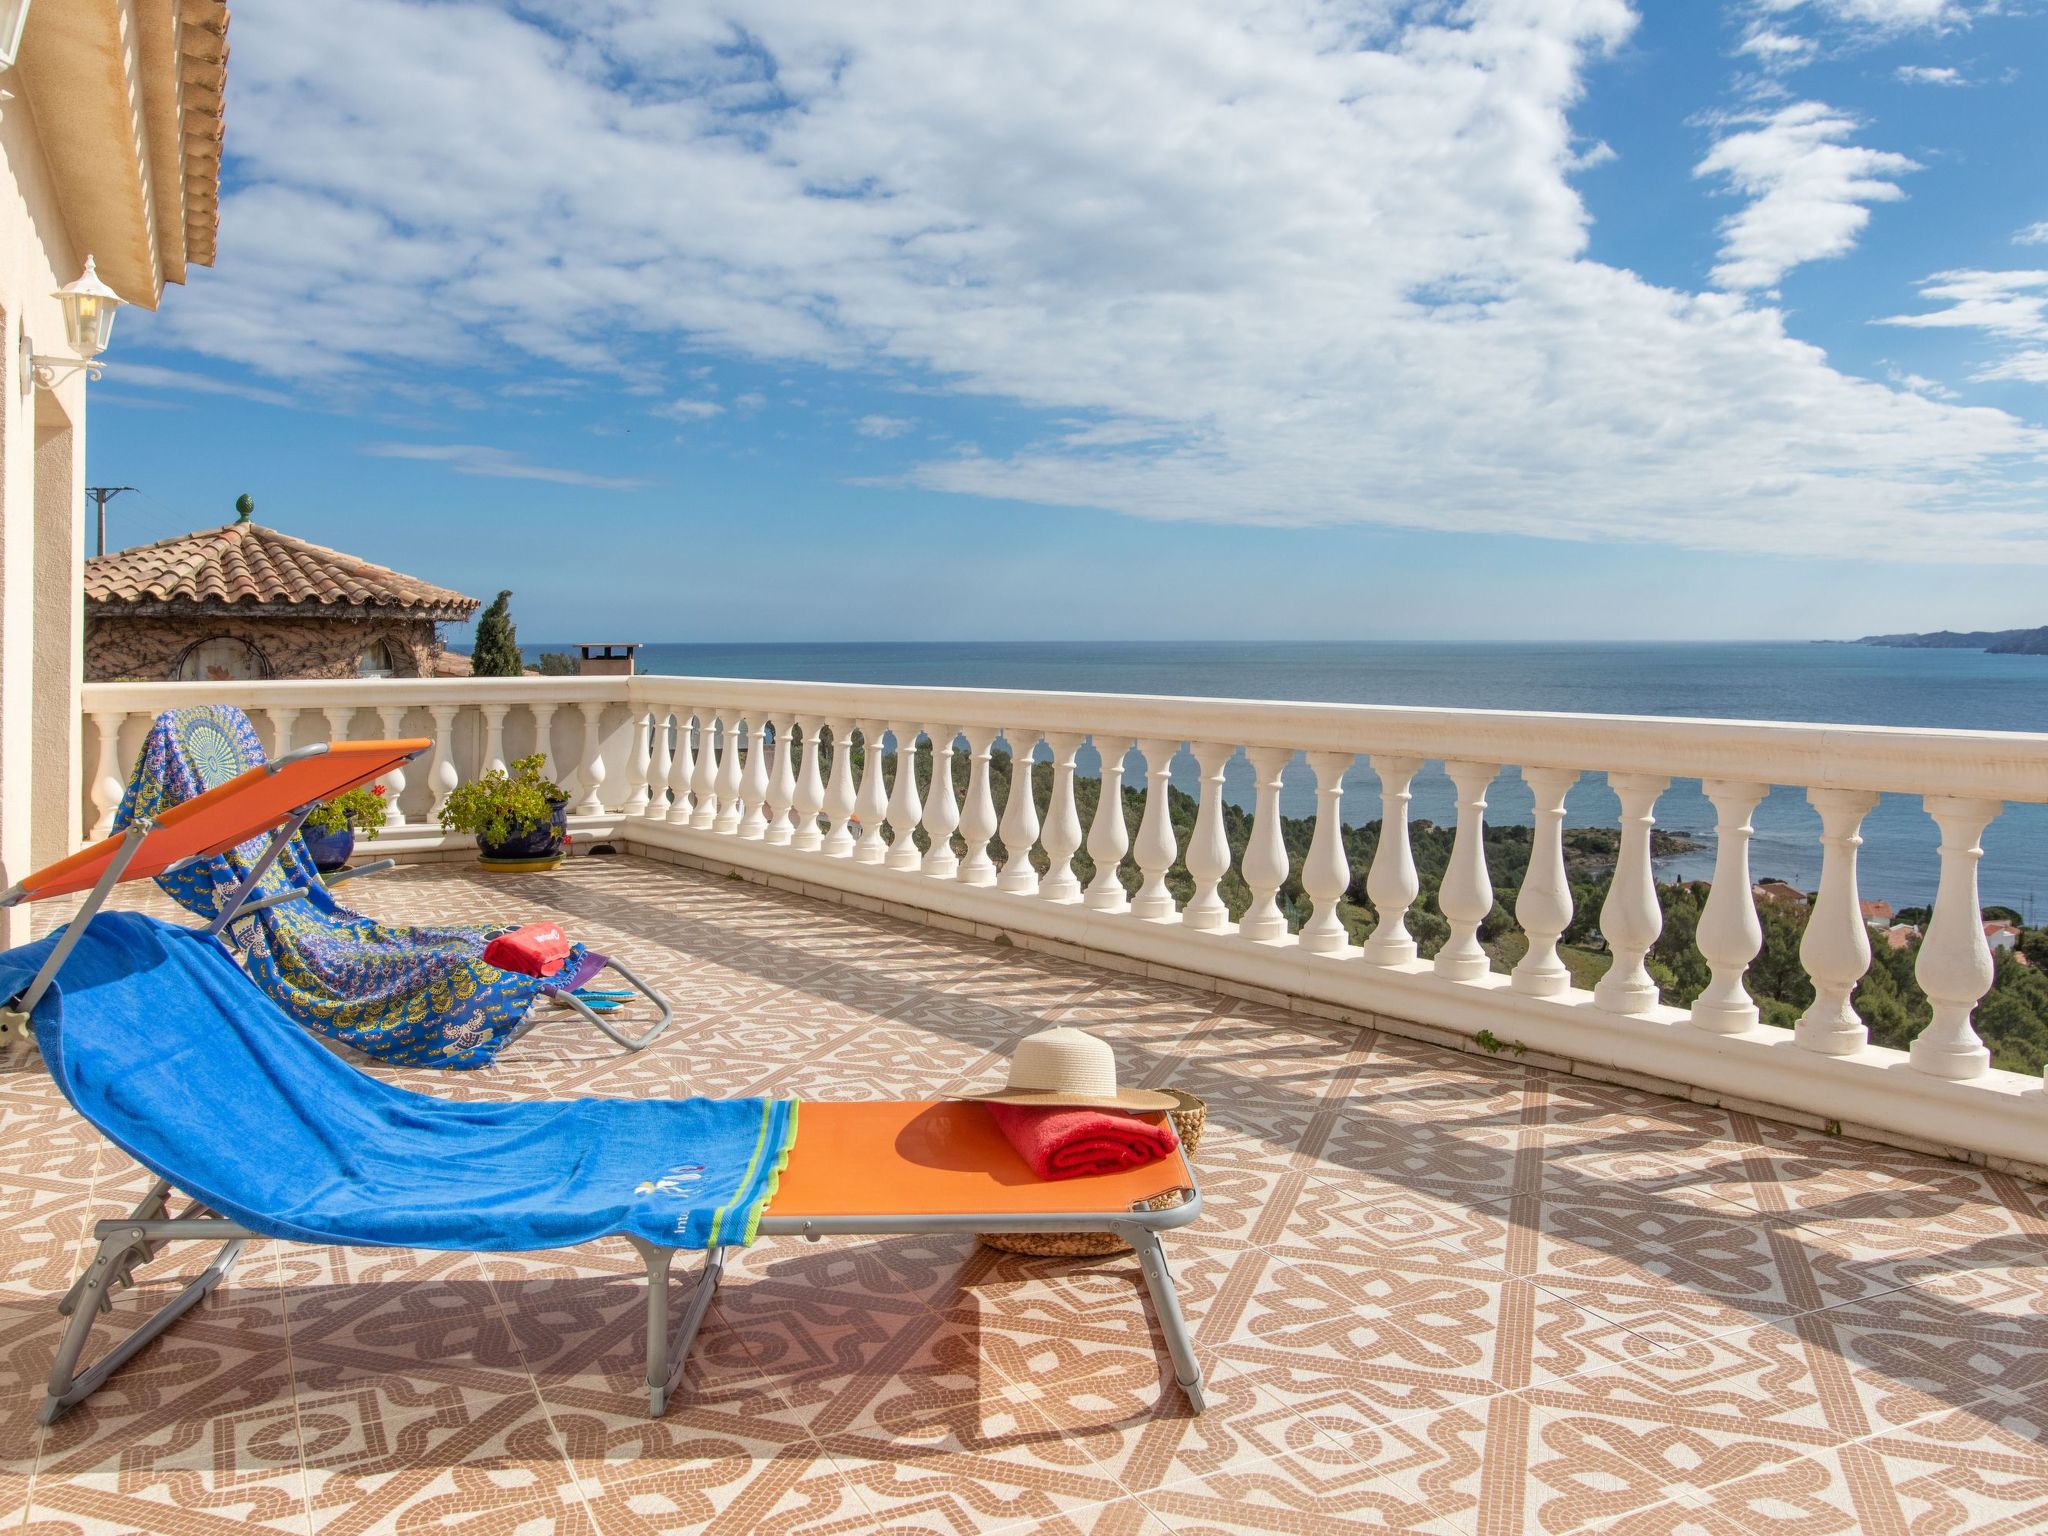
x,y
1062,1143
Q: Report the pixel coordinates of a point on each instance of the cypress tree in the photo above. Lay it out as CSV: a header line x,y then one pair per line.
x,y
496,653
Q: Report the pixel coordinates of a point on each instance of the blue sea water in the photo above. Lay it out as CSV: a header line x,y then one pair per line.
x,y
1846,684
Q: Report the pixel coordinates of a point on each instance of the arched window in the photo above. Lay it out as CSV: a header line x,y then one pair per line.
x,y
223,659
378,660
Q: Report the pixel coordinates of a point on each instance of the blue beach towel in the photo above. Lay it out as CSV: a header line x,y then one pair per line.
x,y
157,1038
412,996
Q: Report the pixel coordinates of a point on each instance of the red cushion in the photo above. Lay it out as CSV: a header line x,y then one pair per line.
x,y
538,949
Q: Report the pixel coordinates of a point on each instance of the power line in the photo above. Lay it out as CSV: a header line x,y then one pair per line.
x,y
102,494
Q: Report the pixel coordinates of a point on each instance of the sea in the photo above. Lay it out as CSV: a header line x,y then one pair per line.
x,y
1800,681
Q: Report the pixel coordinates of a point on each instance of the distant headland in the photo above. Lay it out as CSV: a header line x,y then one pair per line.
x,y
1997,642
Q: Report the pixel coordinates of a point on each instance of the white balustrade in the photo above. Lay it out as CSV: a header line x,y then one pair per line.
x,y
1208,856
591,773
1630,918
978,810
839,795
754,780
1109,838
1730,933
904,805
1391,882
810,788
283,724
1155,848
1265,857
1835,948
339,718
1326,872
660,764
1954,967
682,773
704,779
1544,905
107,784
639,763
494,736
941,808
732,771
1061,838
1020,816
1466,896
781,810
544,739
441,775
392,717
871,803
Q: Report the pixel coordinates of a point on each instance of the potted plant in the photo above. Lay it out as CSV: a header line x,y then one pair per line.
x,y
331,827
519,819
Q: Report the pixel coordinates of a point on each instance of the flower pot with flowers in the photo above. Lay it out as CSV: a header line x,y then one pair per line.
x,y
519,819
330,829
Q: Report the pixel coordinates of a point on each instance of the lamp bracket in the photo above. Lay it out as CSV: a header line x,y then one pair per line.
x,y
37,369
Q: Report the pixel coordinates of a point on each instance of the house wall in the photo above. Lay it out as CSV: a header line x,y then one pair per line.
x,y
150,649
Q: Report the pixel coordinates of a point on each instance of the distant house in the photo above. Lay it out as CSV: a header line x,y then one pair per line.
x,y
1899,935
245,601
1778,890
1878,914
2000,934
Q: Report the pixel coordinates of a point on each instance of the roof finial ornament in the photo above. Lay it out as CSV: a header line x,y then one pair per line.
x,y
245,507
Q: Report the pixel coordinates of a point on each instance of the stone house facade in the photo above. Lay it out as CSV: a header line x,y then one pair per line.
x,y
245,601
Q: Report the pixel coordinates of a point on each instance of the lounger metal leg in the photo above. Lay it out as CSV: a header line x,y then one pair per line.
x,y
629,1042
123,1245
1166,1307
668,1356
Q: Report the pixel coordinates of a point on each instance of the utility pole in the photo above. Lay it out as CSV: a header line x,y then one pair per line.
x,y
102,494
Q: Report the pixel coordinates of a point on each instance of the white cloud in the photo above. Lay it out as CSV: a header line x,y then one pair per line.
x,y
1296,265
184,382
1776,50
2033,234
1809,192
2006,306
496,464
691,410
1930,74
883,426
1881,15
753,400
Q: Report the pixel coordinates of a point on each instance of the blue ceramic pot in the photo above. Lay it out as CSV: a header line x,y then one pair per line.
x,y
530,843
329,850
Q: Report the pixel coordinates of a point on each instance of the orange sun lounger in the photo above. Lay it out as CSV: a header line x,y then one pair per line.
x,y
856,1169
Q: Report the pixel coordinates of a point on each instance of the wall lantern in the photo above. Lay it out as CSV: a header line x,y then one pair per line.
x,y
89,306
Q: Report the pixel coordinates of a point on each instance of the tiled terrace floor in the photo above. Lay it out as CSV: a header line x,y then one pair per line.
x,y
1435,1292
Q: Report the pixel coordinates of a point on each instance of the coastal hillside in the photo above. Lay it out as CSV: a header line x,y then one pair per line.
x,y
1996,642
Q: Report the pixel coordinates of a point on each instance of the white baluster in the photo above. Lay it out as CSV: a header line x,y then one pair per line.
x,y
1630,918
839,796
1955,961
1156,849
1836,946
1392,882
978,810
704,778
1265,856
754,781
782,785
639,763
544,739
592,772
494,736
107,786
1729,933
1209,849
1326,872
731,774
339,718
1466,895
1020,816
441,775
682,773
660,764
1062,836
1544,907
810,789
282,722
871,805
393,718
904,805
1108,836
941,807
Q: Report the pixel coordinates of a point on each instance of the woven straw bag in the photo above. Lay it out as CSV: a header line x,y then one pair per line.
x,y
1188,1120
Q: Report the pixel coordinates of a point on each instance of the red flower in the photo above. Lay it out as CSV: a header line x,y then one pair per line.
x,y
376,789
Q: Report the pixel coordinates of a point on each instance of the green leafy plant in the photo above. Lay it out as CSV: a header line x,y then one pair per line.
x,y
361,810
501,805
495,652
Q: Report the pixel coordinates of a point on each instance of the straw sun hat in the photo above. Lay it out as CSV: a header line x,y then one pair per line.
x,y
1070,1068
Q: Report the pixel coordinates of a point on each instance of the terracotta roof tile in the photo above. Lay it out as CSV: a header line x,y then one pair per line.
x,y
248,565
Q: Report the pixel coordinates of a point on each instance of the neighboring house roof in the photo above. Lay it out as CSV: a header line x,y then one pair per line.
x,y
247,570
1877,911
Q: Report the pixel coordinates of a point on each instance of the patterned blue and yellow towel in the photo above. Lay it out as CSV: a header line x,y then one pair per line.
x,y
157,1038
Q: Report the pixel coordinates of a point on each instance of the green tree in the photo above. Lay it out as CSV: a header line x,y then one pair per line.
x,y
558,664
497,642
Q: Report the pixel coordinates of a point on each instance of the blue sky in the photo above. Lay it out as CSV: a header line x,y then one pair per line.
x,y
1510,318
